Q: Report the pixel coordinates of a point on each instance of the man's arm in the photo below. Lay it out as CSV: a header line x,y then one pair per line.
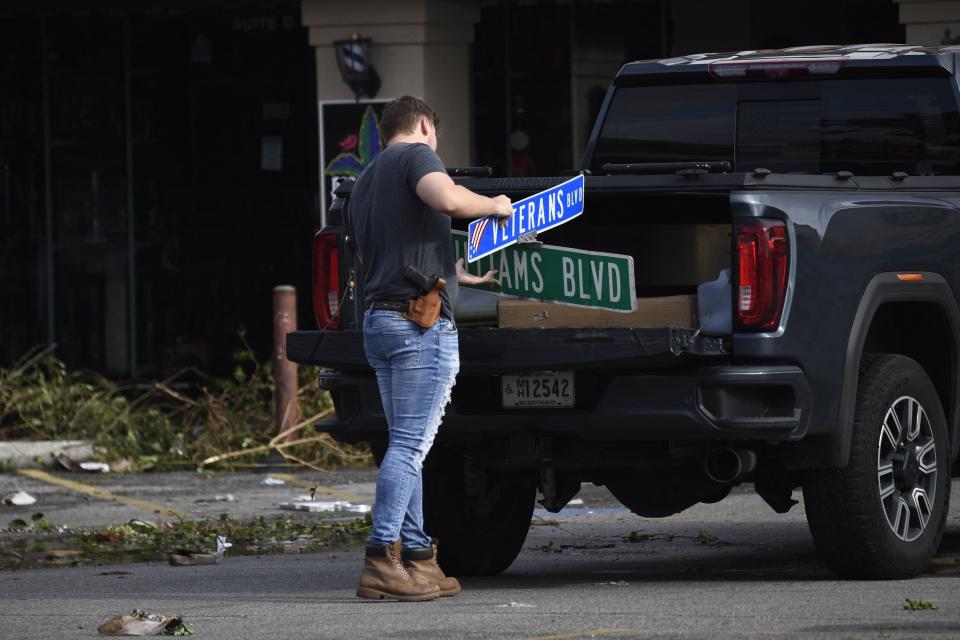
x,y
443,195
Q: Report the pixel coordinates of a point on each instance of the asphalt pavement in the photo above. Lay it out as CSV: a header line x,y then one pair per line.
x,y
729,570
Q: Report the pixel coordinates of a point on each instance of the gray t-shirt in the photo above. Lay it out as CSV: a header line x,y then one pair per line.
x,y
394,228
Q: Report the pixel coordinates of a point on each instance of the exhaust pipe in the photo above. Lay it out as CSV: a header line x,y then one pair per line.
x,y
725,464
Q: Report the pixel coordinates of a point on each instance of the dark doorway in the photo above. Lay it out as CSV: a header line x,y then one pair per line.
x,y
161,178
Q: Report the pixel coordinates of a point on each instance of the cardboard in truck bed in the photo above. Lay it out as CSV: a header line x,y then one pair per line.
x,y
669,311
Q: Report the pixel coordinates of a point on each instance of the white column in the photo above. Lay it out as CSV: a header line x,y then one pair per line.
x,y
926,20
419,47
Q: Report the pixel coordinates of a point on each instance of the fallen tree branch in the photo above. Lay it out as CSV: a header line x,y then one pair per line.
x,y
275,442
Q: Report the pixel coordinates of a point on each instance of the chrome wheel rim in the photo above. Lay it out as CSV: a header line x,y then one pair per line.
x,y
907,468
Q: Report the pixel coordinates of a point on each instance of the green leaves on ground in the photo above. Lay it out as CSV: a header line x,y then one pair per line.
x,y
640,536
138,541
165,424
38,522
707,540
917,605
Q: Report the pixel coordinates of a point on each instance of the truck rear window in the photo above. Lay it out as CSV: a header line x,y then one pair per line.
x,y
866,126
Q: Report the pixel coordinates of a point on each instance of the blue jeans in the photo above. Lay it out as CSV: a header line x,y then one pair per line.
x,y
416,369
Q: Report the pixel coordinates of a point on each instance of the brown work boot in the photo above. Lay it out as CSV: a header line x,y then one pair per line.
x,y
422,563
384,576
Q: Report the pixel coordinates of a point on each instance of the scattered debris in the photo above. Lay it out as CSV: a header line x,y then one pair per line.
x,y
19,499
587,546
576,502
640,536
515,605
12,555
551,547
270,481
117,574
303,503
541,522
298,545
220,497
617,583
190,557
707,540
120,465
138,624
917,605
157,426
72,465
38,522
67,463
187,558
64,557
141,623
141,541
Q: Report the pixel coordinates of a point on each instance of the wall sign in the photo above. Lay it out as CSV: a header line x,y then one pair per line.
x,y
349,141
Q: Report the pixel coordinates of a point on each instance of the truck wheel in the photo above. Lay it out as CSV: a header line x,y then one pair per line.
x,y
481,516
883,515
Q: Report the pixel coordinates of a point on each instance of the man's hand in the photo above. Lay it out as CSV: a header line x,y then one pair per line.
x,y
468,278
503,209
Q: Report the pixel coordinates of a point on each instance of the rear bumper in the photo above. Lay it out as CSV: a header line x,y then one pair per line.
x,y
493,350
769,403
646,384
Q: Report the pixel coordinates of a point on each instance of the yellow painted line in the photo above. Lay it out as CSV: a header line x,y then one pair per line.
x,y
306,484
100,494
591,633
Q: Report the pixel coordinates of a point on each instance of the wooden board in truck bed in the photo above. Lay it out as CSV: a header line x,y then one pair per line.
x,y
669,311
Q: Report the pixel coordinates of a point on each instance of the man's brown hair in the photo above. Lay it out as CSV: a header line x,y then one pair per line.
x,y
401,116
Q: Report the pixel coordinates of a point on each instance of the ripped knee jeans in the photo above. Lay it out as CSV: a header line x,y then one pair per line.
x,y
416,369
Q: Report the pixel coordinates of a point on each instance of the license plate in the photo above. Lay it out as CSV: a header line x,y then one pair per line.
x,y
546,389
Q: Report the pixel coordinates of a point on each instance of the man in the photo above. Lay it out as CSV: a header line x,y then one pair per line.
x,y
400,210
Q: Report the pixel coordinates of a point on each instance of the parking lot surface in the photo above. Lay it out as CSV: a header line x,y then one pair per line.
x,y
729,570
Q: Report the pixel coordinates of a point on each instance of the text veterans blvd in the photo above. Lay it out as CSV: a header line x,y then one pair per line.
x,y
533,214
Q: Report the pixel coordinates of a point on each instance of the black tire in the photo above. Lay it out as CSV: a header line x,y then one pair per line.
x,y
845,509
480,515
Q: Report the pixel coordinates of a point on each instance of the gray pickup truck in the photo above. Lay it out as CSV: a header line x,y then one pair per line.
x,y
824,183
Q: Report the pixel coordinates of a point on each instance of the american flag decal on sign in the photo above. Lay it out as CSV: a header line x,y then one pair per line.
x,y
476,234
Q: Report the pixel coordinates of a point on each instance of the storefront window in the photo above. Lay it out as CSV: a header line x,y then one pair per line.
x,y
23,308
540,72
175,155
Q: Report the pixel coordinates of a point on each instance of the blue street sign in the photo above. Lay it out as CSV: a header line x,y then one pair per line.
x,y
536,213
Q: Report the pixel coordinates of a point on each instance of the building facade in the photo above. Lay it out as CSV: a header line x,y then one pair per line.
x,y
160,161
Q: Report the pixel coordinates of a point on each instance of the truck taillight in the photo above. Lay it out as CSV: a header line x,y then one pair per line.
x,y
326,279
763,266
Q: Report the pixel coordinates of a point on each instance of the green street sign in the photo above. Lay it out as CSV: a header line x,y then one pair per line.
x,y
583,278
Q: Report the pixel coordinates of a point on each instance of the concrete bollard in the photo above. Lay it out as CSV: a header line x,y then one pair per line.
x,y
284,371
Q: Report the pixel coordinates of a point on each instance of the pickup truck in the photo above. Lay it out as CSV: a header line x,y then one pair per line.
x,y
825,181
